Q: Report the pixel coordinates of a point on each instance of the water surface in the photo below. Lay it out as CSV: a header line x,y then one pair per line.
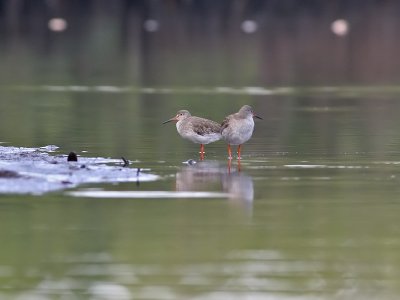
x,y
311,212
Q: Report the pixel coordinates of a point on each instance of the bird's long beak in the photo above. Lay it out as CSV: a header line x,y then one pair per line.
x,y
258,117
170,120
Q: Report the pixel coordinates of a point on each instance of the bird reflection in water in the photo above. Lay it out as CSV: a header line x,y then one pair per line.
x,y
214,176
230,165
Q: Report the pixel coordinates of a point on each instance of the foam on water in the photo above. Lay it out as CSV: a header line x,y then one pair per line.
x,y
34,171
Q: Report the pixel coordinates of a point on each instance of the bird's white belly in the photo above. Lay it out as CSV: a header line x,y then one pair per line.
x,y
203,139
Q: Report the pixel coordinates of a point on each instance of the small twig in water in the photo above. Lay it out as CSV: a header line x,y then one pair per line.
x,y
137,177
126,162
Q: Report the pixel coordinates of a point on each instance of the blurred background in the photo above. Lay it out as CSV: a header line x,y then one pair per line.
x,y
199,43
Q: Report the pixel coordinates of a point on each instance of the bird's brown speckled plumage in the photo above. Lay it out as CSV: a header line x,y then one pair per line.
x,y
203,126
198,130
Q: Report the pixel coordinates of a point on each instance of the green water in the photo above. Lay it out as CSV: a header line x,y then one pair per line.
x,y
312,214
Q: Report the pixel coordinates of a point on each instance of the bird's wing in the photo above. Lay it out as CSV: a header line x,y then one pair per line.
x,y
225,123
203,126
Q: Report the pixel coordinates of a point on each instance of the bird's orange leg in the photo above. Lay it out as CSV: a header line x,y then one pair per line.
x,y
201,152
229,166
229,152
238,165
202,148
238,151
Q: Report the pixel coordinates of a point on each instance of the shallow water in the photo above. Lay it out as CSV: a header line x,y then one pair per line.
x,y
311,212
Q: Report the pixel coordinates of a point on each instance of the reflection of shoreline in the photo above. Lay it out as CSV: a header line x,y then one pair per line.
x,y
212,176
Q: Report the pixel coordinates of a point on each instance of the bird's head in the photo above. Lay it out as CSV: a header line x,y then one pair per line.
x,y
180,115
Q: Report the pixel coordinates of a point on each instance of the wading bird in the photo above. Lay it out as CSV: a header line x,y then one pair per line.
x,y
238,128
197,130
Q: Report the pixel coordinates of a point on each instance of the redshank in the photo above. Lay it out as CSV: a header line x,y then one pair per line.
x,y
238,128
198,130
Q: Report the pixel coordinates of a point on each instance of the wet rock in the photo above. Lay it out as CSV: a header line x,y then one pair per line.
x,y
8,174
190,162
72,157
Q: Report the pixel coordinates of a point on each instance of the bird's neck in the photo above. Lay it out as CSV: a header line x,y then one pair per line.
x,y
179,124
